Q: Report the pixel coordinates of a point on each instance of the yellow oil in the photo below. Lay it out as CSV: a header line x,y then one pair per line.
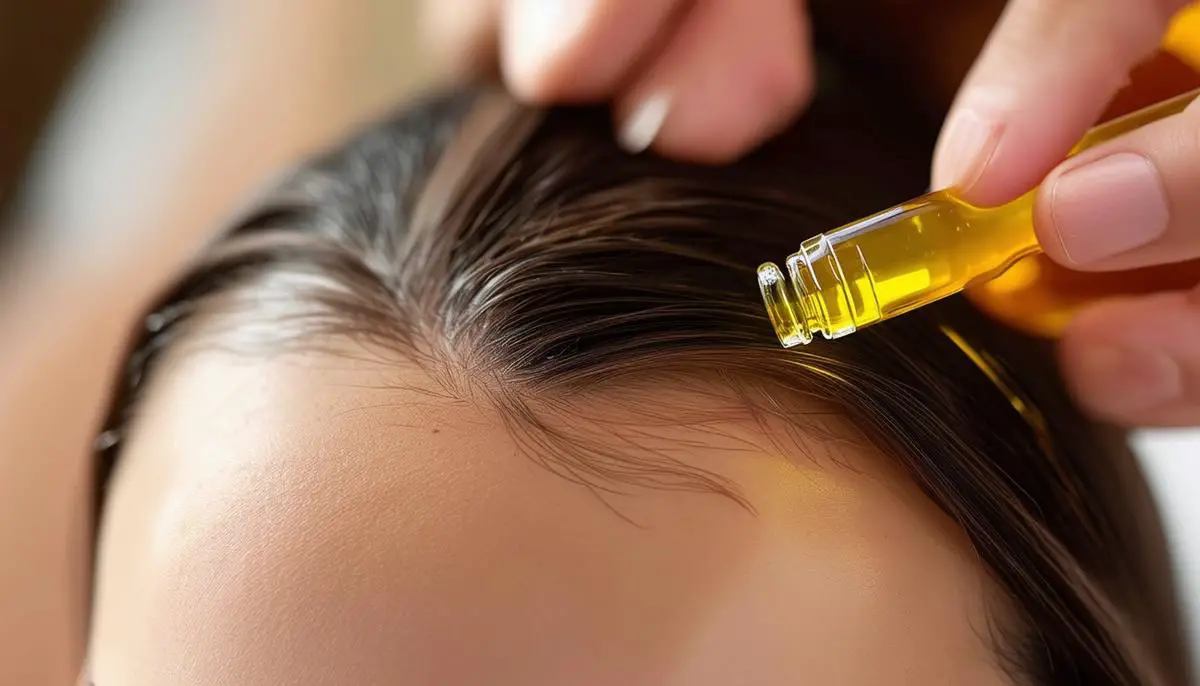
x,y
1183,38
1006,385
910,255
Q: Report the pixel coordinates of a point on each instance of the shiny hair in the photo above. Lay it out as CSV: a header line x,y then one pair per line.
x,y
522,258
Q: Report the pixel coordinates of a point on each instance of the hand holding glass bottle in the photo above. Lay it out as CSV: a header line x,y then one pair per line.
x,y
1041,81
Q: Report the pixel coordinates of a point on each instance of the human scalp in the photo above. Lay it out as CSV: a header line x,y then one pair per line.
x,y
526,262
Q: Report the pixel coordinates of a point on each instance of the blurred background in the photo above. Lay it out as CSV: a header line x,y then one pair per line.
x,y
181,109
178,108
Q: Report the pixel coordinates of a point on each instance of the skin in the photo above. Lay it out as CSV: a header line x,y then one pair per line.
x,y
293,519
64,329
94,260
708,80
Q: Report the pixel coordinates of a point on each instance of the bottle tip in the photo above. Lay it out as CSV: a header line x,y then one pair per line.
x,y
781,307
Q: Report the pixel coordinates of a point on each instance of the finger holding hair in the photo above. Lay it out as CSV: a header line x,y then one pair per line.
x,y
579,50
732,75
699,80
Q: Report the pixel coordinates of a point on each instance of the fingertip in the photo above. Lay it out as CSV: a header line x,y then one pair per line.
x,y
1136,361
1127,385
1130,202
1090,212
966,145
703,128
1044,77
638,129
535,36
731,77
987,160
578,50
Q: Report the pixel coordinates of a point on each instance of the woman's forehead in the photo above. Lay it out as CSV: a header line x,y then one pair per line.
x,y
370,524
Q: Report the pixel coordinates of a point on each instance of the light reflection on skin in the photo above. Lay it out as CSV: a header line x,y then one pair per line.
x,y
317,519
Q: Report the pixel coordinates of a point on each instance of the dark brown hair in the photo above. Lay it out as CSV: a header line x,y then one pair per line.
x,y
523,258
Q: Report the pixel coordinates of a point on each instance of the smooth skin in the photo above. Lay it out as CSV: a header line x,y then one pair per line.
x,y
332,518
707,80
68,301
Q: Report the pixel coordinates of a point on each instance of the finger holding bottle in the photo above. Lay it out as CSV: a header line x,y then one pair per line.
x,y
1046,74
1136,361
1128,203
1132,202
1044,77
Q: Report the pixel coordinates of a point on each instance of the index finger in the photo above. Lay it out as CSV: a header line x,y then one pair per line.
x,y
1044,77
579,50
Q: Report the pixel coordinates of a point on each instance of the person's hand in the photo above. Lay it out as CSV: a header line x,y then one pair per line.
x,y
1043,79
699,80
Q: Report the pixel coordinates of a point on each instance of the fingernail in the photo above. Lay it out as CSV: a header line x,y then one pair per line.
x,y
642,126
1108,207
966,145
1120,381
541,28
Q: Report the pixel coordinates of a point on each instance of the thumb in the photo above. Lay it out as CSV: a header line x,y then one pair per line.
x,y
1128,203
1044,77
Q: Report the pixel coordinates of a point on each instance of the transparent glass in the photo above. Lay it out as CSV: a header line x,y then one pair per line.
x,y
910,255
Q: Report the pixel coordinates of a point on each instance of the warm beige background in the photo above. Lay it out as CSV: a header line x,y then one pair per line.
x,y
184,109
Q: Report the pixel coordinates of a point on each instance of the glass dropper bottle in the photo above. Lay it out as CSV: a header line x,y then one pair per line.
x,y
912,254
